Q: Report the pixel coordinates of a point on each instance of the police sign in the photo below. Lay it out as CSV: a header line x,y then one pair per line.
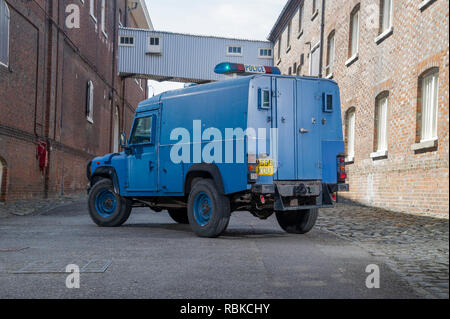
x,y
255,69
244,69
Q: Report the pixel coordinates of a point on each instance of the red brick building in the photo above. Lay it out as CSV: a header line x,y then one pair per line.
x,y
59,89
391,60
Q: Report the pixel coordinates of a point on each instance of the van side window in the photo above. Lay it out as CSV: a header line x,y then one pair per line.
x,y
327,102
142,131
264,99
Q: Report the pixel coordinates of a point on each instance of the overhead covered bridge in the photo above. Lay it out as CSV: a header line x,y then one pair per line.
x,y
166,56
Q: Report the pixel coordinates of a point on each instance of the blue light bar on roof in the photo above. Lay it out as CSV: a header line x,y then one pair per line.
x,y
244,69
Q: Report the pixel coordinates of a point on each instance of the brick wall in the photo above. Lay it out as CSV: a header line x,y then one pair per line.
x,y
405,179
43,96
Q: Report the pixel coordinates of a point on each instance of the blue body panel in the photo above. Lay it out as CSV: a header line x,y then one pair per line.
x,y
295,104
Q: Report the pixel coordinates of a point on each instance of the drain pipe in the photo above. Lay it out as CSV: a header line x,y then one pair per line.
x,y
322,31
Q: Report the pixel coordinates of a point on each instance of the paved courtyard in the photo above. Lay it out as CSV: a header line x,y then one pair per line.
x,y
152,257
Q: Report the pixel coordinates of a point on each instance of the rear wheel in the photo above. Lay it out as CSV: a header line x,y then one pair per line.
x,y
208,211
298,222
179,215
106,208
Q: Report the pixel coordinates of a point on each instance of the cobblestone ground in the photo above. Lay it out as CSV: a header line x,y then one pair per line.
x,y
414,246
31,207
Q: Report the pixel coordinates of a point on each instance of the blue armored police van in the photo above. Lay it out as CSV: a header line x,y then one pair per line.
x,y
261,143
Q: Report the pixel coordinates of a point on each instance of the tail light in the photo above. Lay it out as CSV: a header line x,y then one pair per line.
x,y
333,197
342,174
251,168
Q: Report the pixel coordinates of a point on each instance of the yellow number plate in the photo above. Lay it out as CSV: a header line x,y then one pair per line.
x,y
264,167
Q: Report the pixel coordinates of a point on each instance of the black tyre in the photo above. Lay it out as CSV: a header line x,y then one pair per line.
x,y
106,208
179,215
208,211
298,222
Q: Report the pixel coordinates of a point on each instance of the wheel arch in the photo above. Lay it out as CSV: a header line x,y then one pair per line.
x,y
108,173
204,171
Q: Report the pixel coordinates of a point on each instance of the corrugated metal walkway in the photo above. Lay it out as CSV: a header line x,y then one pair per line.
x,y
165,56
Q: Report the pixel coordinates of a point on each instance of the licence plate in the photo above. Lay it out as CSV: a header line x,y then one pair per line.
x,y
264,167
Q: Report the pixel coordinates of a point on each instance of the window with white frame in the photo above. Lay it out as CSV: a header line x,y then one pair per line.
x,y
92,9
154,45
288,36
116,133
279,47
314,6
386,10
103,17
354,32
234,50
1,177
381,122
126,41
429,83
265,53
314,67
4,33
330,53
120,18
300,18
351,117
90,101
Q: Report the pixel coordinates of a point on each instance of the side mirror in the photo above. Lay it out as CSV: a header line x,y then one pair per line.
x,y
123,140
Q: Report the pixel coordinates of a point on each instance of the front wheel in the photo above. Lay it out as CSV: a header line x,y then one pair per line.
x,y
208,210
298,222
106,208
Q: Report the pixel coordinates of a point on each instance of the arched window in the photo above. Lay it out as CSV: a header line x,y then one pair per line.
x,y
386,11
381,123
427,110
354,32
2,179
4,33
330,53
116,139
350,120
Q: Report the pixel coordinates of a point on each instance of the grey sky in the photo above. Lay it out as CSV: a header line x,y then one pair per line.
x,y
247,19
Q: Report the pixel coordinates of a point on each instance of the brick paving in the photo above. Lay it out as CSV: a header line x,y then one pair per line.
x,y
414,246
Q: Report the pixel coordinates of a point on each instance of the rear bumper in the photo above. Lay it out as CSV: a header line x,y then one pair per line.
x,y
300,195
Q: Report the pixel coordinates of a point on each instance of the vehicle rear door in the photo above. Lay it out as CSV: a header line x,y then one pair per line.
x,y
309,152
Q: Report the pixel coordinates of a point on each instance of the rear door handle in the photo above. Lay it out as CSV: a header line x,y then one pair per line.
x,y
304,131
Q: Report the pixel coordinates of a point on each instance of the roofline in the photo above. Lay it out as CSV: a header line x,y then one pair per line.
x,y
196,35
141,13
286,14
147,14
158,98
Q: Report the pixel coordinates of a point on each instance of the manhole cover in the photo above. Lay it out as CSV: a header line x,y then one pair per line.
x,y
51,267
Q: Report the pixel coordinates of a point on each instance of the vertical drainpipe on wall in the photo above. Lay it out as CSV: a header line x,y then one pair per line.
x,y
322,27
113,76
62,107
49,57
124,79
